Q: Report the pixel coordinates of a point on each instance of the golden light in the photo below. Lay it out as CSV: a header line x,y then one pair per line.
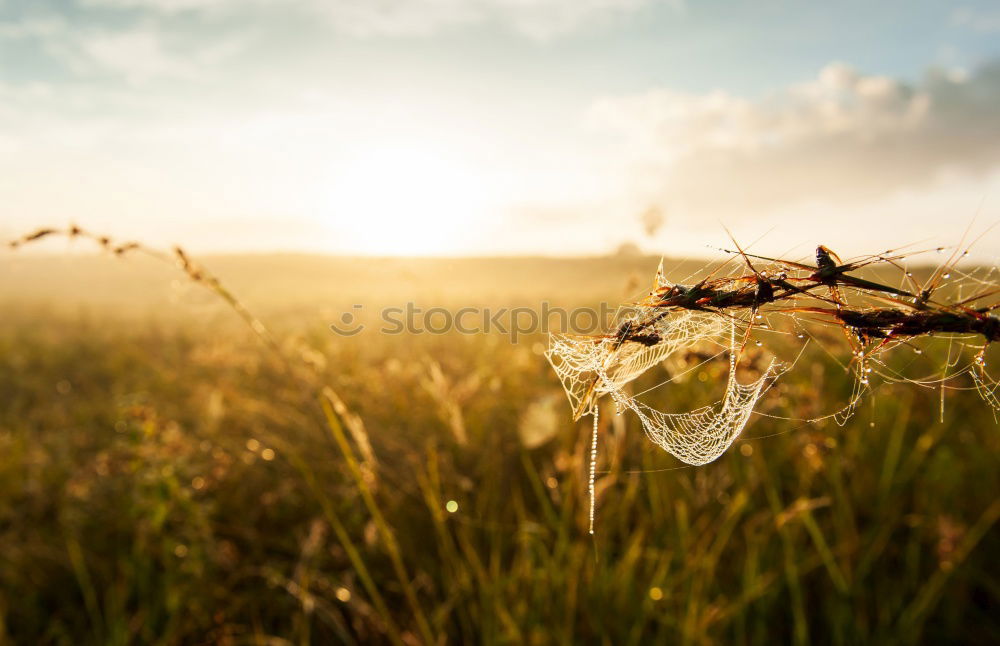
x,y
407,199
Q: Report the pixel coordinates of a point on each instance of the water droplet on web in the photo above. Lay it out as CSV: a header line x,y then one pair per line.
x,y
940,249
946,276
759,344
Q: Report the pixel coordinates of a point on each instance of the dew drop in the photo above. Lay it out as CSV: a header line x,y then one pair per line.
x,y
946,276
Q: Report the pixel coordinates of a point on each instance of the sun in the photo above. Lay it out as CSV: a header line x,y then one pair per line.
x,y
406,199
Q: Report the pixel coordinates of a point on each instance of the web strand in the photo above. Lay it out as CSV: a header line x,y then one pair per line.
x,y
593,468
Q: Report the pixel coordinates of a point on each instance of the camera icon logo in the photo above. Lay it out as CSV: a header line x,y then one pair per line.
x,y
347,325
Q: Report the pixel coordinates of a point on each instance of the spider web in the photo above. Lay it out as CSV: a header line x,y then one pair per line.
x,y
590,368
886,310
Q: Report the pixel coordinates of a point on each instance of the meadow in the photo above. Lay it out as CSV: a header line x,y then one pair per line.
x,y
166,477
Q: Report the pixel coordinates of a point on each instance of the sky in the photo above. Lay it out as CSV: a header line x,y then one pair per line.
x,y
471,127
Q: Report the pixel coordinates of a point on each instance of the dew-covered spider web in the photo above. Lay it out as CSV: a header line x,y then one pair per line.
x,y
939,315
589,370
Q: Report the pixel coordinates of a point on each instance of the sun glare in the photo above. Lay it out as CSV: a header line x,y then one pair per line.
x,y
406,200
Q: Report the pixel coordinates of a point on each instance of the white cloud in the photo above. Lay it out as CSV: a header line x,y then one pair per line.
x,y
840,137
985,21
165,6
135,53
541,19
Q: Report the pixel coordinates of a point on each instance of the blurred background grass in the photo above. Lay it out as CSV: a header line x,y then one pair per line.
x,y
165,479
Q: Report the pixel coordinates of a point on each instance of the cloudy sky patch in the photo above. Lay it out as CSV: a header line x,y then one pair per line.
x,y
495,126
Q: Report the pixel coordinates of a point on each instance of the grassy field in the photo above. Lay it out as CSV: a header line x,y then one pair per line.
x,y
167,478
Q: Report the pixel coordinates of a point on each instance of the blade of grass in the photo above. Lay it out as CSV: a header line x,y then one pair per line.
x,y
353,554
916,613
330,401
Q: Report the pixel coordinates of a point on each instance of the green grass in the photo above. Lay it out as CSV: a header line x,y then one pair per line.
x,y
137,504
